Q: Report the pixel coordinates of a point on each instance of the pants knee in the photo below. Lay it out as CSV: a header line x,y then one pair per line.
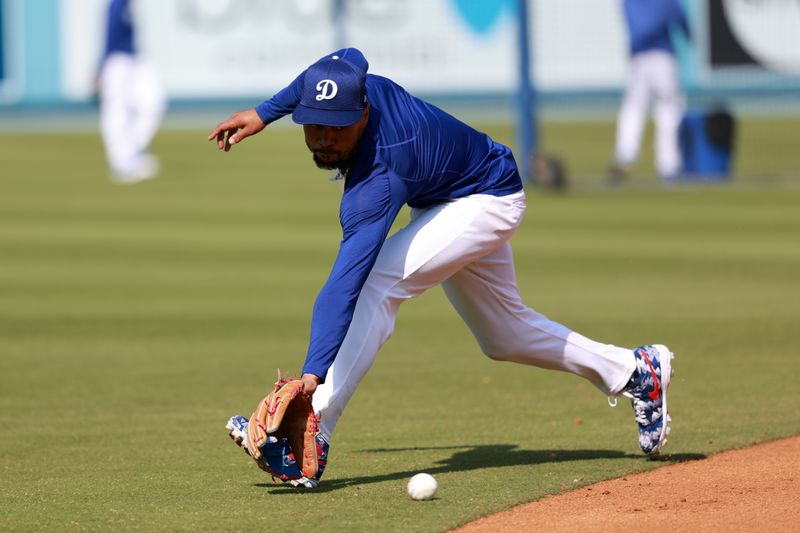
x,y
500,352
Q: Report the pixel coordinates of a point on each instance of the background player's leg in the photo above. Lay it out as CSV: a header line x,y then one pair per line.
x,y
436,243
116,82
632,114
486,295
150,105
669,108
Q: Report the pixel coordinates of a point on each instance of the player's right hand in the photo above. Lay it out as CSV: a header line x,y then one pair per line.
x,y
236,128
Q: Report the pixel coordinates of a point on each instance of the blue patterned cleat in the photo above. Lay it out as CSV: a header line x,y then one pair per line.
x,y
280,462
322,461
237,430
647,390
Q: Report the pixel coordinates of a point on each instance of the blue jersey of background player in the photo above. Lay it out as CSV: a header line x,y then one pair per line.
x,y
119,29
467,200
650,23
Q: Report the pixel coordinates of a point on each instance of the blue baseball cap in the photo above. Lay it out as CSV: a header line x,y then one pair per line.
x,y
334,93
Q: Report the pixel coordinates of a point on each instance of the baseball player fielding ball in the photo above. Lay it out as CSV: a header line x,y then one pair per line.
x,y
392,149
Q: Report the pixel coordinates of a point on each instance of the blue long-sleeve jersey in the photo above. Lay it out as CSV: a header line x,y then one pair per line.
x,y
411,153
650,22
119,29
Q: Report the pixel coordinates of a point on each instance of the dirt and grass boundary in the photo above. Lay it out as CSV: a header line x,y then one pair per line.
x,y
749,489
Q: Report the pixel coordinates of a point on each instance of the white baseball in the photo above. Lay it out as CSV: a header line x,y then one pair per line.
x,y
422,487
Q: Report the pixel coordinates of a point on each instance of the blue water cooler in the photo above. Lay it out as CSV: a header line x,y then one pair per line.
x,y
706,142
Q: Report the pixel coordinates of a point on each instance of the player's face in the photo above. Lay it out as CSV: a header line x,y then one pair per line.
x,y
333,146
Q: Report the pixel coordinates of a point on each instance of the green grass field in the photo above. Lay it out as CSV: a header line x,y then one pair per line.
x,y
134,320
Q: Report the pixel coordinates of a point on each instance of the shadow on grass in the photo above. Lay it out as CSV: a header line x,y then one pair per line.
x,y
479,457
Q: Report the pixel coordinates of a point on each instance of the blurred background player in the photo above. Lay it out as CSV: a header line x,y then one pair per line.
x,y
652,78
132,101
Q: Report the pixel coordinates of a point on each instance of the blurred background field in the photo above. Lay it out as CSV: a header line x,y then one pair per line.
x,y
135,319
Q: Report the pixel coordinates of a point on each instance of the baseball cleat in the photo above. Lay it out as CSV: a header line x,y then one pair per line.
x,y
648,393
322,460
282,464
304,482
237,430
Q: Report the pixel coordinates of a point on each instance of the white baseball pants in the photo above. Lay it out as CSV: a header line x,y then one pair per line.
x,y
462,244
131,107
653,78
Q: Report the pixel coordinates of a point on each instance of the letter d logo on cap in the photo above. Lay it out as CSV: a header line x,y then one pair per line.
x,y
327,90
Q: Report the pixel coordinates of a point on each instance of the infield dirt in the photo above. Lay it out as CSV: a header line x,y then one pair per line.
x,y
750,489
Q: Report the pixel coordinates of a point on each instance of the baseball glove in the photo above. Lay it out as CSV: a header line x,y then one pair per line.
x,y
282,435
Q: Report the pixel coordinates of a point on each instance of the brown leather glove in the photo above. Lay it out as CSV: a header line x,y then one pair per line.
x,y
286,412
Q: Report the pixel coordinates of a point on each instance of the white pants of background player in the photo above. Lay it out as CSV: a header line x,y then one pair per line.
x,y
653,79
463,245
131,107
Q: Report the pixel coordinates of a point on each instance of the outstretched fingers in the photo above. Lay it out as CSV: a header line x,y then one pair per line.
x,y
224,133
223,142
236,128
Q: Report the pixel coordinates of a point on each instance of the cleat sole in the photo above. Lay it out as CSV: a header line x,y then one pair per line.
x,y
666,357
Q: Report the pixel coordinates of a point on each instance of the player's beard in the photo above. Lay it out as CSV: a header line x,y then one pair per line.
x,y
327,165
337,163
